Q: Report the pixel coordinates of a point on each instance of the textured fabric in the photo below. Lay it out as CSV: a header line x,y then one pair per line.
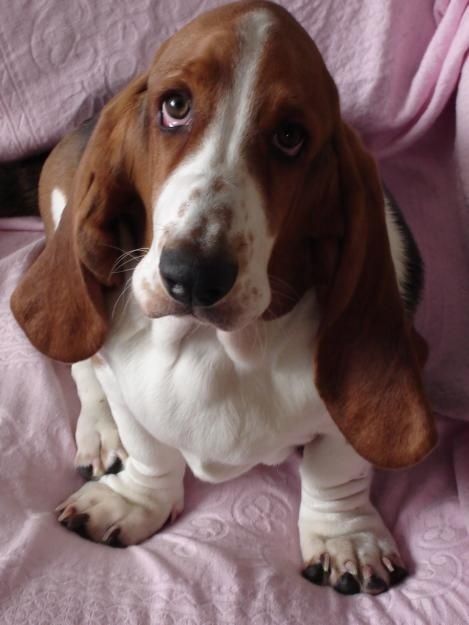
x,y
233,556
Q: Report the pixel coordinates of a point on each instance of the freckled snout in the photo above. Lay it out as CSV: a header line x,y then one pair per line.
x,y
196,280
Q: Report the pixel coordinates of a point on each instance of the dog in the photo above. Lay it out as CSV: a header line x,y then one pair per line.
x,y
231,281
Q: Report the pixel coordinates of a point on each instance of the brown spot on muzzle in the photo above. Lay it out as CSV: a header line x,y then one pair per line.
x,y
218,185
224,216
195,195
182,210
196,234
200,236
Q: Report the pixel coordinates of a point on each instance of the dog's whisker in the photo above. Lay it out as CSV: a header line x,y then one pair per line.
x,y
283,295
124,292
276,281
129,256
123,266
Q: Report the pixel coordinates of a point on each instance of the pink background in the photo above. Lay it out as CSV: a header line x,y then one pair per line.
x,y
233,557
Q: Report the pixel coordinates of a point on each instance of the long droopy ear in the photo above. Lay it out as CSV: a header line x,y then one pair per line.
x,y
59,302
367,368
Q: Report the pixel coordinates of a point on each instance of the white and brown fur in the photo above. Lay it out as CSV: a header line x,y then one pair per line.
x,y
225,387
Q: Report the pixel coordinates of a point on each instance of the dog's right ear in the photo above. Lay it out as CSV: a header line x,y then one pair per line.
x,y
59,301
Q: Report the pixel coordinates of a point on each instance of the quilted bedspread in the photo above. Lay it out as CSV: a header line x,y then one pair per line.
x,y
233,557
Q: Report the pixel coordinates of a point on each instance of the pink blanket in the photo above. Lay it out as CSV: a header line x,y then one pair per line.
x,y
233,557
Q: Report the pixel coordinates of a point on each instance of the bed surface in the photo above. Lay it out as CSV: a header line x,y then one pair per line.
x,y
233,557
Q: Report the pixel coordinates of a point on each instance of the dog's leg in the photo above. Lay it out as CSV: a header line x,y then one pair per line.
x,y
126,508
344,541
99,449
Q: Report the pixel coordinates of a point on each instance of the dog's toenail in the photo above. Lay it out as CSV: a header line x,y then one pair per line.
x,y
375,585
86,472
115,467
397,575
347,585
77,521
351,567
314,573
67,512
113,539
388,564
326,562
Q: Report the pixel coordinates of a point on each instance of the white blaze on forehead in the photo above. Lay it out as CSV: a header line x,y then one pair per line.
x,y
57,204
253,32
234,117
221,150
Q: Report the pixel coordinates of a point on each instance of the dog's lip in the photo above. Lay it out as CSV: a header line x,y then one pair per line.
x,y
221,315
226,320
203,316
200,314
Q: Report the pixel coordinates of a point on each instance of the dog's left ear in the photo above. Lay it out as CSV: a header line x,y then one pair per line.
x,y
367,358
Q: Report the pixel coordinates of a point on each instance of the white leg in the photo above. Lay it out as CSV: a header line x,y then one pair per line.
x,y
99,448
127,508
344,541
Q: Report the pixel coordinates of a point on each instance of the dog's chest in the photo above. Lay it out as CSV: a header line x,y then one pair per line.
x,y
223,399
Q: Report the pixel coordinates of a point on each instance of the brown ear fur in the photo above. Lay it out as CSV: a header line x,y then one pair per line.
x,y
59,302
367,368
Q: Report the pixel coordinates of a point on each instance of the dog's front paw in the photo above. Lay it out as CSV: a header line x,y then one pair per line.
x,y
99,513
365,561
99,448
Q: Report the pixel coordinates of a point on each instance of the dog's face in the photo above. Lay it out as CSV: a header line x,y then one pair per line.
x,y
234,127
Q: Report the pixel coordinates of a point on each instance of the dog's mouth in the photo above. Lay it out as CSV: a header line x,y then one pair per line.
x,y
226,317
232,312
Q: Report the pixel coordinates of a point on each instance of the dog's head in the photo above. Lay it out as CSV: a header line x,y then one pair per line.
x,y
231,163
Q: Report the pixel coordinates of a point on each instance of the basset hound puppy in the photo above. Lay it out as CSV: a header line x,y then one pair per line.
x,y
223,267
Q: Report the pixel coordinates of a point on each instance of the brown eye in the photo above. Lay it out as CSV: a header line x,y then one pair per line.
x,y
289,138
175,110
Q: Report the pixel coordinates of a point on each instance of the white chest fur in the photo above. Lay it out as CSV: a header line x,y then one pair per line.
x,y
227,401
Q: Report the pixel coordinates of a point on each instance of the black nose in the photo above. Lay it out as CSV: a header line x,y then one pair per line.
x,y
192,279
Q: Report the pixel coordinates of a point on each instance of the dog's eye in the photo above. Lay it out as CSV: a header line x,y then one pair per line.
x,y
176,110
289,138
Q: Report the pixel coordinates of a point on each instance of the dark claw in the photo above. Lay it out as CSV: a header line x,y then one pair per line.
x,y
86,472
347,585
113,539
375,585
398,575
314,573
77,523
115,467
